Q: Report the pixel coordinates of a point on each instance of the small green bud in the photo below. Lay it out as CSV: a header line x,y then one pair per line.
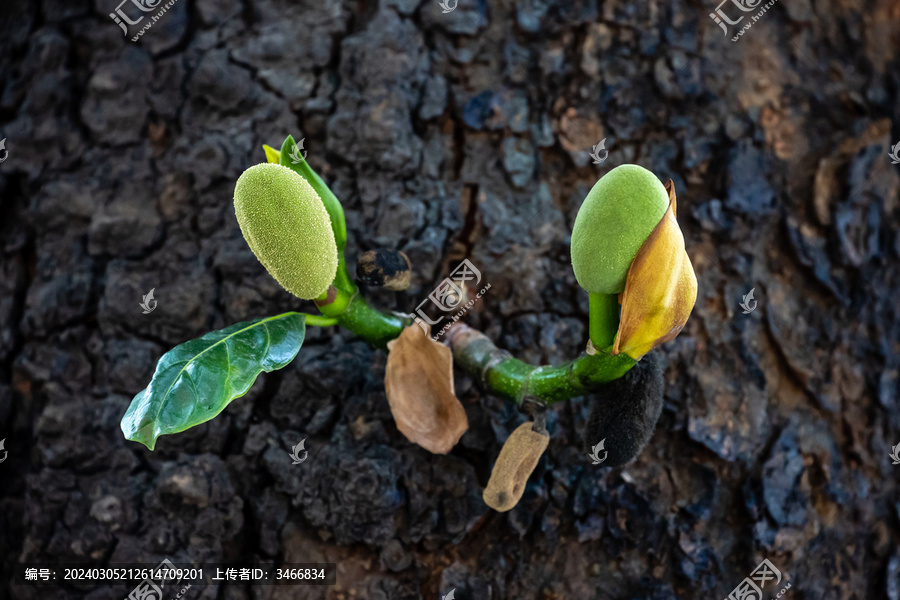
x,y
287,227
619,213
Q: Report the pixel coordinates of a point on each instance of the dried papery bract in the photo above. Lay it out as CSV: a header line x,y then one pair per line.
x,y
418,382
660,289
518,458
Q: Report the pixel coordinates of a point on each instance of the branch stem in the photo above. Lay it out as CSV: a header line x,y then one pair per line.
x,y
496,370
343,303
604,320
510,378
319,321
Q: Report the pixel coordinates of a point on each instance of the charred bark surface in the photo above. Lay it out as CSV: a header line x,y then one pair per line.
x,y
455,135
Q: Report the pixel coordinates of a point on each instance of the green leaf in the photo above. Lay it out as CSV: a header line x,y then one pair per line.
x,y
196,380
332,204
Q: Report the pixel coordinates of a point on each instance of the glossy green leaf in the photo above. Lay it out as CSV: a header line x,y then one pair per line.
x,y
196,380
292,158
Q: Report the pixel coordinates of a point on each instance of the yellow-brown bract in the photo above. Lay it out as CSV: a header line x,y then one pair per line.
x,y
518,458
287,227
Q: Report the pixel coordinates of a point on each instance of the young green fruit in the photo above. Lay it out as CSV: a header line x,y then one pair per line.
x,y
620,211
287,227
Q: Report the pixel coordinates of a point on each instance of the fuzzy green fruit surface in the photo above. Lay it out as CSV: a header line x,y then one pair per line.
x,y
287,227
620,211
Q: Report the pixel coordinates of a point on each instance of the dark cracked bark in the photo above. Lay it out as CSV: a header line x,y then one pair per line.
x,y
447,136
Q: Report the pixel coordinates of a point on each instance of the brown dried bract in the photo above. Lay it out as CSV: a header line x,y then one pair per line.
x,y
518,458
419,386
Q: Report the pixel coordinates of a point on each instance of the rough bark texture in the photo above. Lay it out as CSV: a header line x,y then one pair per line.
x,y
455,135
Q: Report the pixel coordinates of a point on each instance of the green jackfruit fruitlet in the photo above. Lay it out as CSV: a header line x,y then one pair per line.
x,y
619,213
287,227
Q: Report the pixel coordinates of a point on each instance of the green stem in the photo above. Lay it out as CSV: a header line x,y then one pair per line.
x,y
342,279
498,372
343,303
319,321
512,379
604,320
371,324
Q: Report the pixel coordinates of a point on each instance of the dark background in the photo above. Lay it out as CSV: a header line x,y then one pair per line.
x,y
450,136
